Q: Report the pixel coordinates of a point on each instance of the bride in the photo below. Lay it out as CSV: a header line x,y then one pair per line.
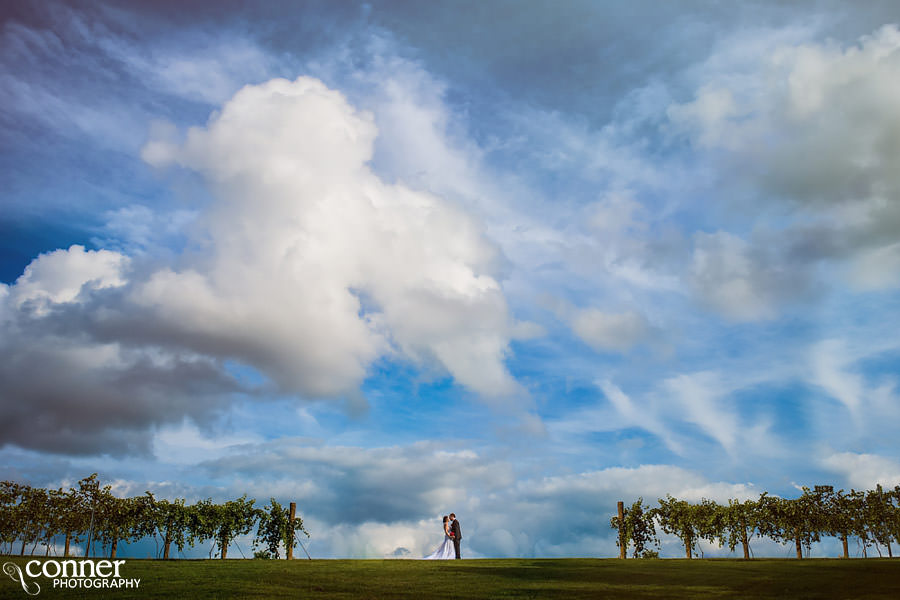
x,y
445,551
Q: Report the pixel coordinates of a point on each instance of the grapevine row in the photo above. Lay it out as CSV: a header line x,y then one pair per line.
x,y
90,514
871,516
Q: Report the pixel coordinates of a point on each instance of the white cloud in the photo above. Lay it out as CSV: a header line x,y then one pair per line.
x,y
60,276
368,502
78,73
651,481
573,510
620,401
610,331
601,330
738,279
184,443
810,127
864,471
837,367
354,485
674,410
72,379
305,266
877,268
815,119
829,371
337,238
203,68
373,501
34,62
316,265
621,413
616,215
704,403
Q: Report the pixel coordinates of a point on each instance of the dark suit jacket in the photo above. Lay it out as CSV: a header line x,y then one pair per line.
x,y
454,527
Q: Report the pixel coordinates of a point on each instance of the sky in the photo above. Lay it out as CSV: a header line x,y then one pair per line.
x,y
392,260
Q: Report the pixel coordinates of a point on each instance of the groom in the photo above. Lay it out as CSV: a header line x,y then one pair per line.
x,y
457,534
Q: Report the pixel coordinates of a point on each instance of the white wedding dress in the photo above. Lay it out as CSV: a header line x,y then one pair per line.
x,y
445,551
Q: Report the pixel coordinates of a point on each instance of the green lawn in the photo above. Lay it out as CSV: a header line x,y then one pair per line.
x,y
512,578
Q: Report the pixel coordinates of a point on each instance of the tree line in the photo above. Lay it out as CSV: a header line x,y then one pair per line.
x,y
90,514
871,516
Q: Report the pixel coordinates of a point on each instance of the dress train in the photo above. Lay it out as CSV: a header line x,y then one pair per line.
x,y
445,551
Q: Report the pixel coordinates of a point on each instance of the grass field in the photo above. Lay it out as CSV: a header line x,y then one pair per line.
x,y
509,578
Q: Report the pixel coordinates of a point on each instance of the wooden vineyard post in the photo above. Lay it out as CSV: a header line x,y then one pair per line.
x,y
621,508
290,545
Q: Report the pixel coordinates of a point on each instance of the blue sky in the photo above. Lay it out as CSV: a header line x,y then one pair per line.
x,y
515,260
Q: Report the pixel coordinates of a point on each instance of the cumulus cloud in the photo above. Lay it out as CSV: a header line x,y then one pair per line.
x,y
815,122
61,276
65,388
317,266
810,127
306,267
863,471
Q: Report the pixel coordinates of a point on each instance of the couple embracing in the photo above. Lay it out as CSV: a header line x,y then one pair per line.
x,y
452,537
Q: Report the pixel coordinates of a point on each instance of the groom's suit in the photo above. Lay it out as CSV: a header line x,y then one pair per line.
x,y
457,536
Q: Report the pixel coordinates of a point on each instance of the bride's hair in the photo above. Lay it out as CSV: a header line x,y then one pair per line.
x,y
446,518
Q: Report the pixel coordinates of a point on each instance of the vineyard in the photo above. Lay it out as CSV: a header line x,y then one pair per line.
x,y
871,516
33,518
89,514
